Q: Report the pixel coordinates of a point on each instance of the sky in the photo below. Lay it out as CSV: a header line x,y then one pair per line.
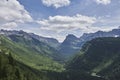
x,y
58,18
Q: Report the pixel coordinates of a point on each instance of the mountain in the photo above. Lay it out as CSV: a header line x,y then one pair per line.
x,y
72,44
49,41
32,40
32,52
99,57
88,37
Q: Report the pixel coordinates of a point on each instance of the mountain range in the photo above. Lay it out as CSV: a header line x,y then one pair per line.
x,y
27,56
70,45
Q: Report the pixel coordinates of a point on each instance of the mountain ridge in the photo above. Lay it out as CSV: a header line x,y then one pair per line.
x,y
78,42
50,41
70,45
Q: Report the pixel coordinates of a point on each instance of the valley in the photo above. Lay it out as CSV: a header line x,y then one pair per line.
x,y
59,39
31,57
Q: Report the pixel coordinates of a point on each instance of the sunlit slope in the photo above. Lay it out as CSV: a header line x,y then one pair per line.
x,y
32,52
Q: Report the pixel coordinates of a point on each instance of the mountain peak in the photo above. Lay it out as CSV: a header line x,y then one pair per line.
x,y
71,36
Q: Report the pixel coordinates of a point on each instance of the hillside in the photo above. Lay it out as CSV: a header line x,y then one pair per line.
x,y
11,69
98,57
32,52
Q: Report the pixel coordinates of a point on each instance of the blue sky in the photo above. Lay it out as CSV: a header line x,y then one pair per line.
x,y
58,18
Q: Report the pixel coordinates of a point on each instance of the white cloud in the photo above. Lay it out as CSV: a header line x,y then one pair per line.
x,y
11,11
63,23
60,26
105,2
9,25
56,3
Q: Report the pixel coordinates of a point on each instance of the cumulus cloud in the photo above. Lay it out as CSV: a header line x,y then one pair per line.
x,y
9,25
59,26
105,2
56,3
62,23
12,13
